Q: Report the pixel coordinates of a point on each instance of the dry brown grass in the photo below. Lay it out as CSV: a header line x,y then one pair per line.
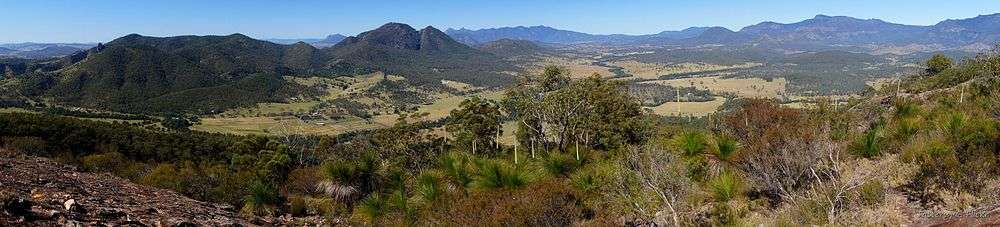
x,y
743,87
578,67
645,70
694,109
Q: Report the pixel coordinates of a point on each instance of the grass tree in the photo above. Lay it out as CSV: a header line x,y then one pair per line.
x,y
457,172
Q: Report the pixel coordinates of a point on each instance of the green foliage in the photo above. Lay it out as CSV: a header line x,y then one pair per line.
x,y
938,63
176,123
430,189
871,143
726,148
559,164
372,208
588,181
591,112
496,175
137,74
726,187
692,144
261,200
476,123
457,170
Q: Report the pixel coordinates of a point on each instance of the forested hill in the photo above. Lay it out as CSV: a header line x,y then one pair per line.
x,y
423,57
176,74
205,74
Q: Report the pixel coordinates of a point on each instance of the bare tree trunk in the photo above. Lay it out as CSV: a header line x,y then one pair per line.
x,y
577,144
961,95
515,153
532,148
678,101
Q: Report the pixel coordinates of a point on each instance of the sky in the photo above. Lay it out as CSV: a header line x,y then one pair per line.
x,y
104,20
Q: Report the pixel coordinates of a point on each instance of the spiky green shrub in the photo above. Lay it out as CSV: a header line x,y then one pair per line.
x,y
430,188
952,124
585,181
456,169
559,164
692,144
496,175
726,187
870,144
726,149
906,109
261,200
372,208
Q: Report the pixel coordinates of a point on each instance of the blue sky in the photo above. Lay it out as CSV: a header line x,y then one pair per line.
x,y
103,20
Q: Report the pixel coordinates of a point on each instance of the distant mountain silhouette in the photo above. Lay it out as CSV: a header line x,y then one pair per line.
x,y
41,50
819,33
330,40
5,51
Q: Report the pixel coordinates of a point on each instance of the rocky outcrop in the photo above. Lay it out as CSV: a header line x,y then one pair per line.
x,y
40,192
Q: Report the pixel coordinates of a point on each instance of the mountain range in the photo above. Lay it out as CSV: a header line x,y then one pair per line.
x,y
204,74
41,50
820,32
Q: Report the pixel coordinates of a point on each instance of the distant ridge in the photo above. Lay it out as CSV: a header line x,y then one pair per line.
x,y
817,33
41,50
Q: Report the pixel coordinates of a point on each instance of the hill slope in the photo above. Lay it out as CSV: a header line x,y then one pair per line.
x,y
510,47
178,74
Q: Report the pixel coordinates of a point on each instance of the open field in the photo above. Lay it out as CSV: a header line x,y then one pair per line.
x,y
743,87
282,125
251,123
695,109
270,108
14,110
643,70
578,67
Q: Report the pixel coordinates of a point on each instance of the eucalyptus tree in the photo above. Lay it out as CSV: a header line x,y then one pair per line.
x,y
476,121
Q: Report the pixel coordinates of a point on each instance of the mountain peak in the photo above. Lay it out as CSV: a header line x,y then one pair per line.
x,y
397,35
402,36
432,40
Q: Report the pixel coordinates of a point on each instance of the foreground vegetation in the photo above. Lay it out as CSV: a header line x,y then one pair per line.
x,y
585,153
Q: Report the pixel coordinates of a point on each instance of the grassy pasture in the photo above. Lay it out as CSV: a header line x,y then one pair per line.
x,y
696,109
644,70
743,87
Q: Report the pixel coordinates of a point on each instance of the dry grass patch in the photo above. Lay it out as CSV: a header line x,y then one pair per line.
x,y
743,87
578,67
695,109
645,70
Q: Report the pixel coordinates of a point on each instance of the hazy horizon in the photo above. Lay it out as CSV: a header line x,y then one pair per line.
x,y
90,22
